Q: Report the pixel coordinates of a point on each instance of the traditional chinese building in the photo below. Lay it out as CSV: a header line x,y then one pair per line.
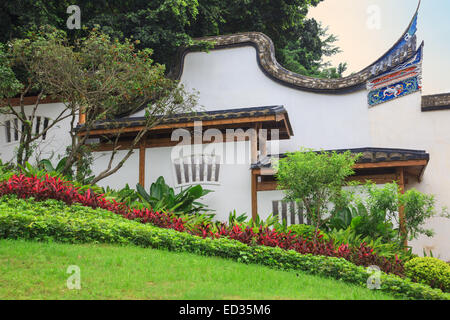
x,y
267,111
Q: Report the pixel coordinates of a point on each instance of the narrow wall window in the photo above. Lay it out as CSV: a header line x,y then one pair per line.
x,y
8,131
197,169
12,128
46,121
16,129
38,125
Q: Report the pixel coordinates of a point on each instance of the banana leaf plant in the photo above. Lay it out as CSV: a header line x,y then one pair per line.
x,y
161,197
125,195
48,166
342,218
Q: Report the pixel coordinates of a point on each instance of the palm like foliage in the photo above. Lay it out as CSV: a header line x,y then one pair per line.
x,y
162,197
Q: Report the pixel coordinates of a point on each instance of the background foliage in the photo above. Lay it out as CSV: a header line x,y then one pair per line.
x,y
164,25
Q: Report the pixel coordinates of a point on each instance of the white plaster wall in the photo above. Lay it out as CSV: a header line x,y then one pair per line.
x,y
128,174
231,78
56,141
401,124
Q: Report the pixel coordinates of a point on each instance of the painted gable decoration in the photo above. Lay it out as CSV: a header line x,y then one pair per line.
x,y
406,42
391,82
400,81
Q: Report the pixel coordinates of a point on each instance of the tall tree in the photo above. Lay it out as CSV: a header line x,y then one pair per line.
x,y
96,77
314,179
164,25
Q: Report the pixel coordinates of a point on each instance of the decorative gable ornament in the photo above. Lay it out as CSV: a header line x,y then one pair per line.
x,y
392,79
398,82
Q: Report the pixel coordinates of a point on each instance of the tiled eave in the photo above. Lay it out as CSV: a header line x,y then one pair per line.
x,y
436,102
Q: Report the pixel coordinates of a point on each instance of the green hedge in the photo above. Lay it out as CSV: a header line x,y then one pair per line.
x,y
53,220
430,271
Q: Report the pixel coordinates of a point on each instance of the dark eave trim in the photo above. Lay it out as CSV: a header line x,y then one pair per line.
x,y
373,156
436,102
219,118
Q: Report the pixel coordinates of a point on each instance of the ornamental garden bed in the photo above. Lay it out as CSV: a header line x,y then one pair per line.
x,y
53,220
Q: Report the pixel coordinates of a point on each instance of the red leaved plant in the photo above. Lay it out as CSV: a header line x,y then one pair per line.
x,y
58,189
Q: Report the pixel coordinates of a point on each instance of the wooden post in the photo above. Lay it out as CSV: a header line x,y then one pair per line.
x,y
254,159
82,117
142,164
401,211
254,177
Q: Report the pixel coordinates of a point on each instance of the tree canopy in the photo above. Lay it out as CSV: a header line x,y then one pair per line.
x,y
314,179
164,25
94,77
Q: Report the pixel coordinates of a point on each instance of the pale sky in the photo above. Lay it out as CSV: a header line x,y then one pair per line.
x,y
368,28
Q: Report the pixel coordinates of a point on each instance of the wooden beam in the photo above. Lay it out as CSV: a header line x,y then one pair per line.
x,y
376,178
205,123
288,130
29,101
142,164
160,142
254,178
390,164
387,164
264,171
267,186
110,147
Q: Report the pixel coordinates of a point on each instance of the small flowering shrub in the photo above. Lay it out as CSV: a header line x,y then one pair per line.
x,y
56,188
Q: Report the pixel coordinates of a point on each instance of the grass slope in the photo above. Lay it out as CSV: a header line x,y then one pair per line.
x,y
33,270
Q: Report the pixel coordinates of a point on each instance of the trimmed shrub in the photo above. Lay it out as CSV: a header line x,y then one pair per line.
x,y
53,220
430,271
46,187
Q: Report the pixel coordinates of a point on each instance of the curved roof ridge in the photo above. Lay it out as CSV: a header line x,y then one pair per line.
x,y
272,68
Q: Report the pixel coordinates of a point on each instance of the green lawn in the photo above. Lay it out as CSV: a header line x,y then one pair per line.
x,y
32,270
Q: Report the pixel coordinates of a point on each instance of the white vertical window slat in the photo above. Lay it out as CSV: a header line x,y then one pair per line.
x,y
202,168
183,178
187,170
208,168
177,168
197,169
213,167
193,168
